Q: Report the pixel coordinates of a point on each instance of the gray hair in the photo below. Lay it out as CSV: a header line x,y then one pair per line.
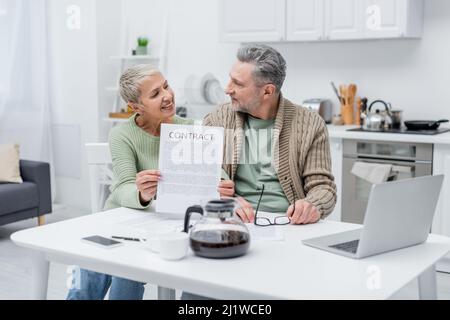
x,y
131,80
270,66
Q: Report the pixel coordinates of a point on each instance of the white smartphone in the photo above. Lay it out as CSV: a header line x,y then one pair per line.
x,y
102,242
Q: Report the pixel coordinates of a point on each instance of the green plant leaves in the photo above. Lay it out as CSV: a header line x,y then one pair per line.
x,y
143,42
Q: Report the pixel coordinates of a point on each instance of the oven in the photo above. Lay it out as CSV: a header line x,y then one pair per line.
x,y
408,160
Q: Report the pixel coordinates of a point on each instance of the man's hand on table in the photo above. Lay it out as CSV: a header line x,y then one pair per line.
x,y
303,213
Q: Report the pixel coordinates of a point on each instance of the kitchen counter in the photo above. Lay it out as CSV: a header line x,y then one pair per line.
x,y
340,132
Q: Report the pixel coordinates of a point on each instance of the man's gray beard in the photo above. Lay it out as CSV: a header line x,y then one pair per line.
x,y
246,109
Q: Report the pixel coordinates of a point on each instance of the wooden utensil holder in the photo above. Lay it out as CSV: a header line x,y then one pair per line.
x,y
347,113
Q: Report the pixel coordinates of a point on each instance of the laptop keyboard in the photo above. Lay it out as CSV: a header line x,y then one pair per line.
x,y
350,246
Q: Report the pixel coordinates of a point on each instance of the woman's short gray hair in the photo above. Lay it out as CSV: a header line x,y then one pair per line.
x,y
131,80
270,66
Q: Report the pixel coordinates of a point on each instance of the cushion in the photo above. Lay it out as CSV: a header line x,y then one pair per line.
x,y
10,163
18,197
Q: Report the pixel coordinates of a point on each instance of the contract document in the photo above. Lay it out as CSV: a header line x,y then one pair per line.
x,y
190,162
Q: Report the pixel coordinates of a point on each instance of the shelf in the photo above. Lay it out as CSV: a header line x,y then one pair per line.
x,y
134,58
120,115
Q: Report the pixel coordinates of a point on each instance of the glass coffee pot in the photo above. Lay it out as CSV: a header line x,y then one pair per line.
x,y
220,234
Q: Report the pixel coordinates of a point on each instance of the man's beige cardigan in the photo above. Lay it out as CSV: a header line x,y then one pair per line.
x,y
301,152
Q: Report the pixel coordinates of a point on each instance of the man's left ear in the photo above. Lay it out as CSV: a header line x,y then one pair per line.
x,y
269,90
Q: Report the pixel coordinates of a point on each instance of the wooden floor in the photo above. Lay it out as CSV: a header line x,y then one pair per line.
x,y
15,267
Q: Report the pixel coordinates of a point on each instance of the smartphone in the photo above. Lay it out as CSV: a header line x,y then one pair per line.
x,y
102,242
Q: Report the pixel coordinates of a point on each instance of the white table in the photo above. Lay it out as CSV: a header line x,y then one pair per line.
x,y
271,269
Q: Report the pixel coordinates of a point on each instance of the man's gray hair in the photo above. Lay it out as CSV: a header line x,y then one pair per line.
x,y
270,66
131,80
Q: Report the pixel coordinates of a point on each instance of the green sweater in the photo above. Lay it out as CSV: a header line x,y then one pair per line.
x,y
256,169
132,150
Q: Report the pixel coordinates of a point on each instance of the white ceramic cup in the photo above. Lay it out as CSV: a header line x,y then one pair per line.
x,y
170,246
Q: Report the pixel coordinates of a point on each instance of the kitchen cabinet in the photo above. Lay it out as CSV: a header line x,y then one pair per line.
x,y
344,19
319,20
305,20
392,18
441,165
441,221
252,20
336,150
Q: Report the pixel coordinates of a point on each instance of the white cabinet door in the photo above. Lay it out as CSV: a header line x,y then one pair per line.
x,y
393,18
384,18
441,165
441,221
343,19
305,20
336,163
252,20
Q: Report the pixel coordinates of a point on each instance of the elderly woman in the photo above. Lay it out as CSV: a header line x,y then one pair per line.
x,y
134,150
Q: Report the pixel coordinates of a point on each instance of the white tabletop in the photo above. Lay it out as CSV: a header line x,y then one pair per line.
x,y
270,270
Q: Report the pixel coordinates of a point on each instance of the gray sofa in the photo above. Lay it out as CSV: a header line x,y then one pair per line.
x,y
31,199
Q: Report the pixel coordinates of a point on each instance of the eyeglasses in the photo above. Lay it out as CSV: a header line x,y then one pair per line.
x,y
266,222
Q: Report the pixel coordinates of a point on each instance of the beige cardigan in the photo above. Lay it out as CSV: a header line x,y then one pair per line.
x,y
301,155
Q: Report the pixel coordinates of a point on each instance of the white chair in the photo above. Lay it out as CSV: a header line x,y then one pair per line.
x,y
100,173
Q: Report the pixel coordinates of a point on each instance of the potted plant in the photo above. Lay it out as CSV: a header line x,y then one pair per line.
x,y
142,46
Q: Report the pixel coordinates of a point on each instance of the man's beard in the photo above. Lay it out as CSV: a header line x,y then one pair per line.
x,y
249,107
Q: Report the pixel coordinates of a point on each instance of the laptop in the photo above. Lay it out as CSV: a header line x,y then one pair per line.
x,y
399,214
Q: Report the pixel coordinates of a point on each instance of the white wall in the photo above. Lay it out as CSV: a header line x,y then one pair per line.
x,y
413,75
73,56
109,38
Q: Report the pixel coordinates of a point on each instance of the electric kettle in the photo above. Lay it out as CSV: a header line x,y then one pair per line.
x,y
220,234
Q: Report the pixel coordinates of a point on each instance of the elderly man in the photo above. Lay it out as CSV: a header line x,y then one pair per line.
x,y
272,145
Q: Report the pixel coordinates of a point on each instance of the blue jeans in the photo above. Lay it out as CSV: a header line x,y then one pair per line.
x,y
89,285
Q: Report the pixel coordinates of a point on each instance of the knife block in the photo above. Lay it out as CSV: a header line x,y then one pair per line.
x,y
347,113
